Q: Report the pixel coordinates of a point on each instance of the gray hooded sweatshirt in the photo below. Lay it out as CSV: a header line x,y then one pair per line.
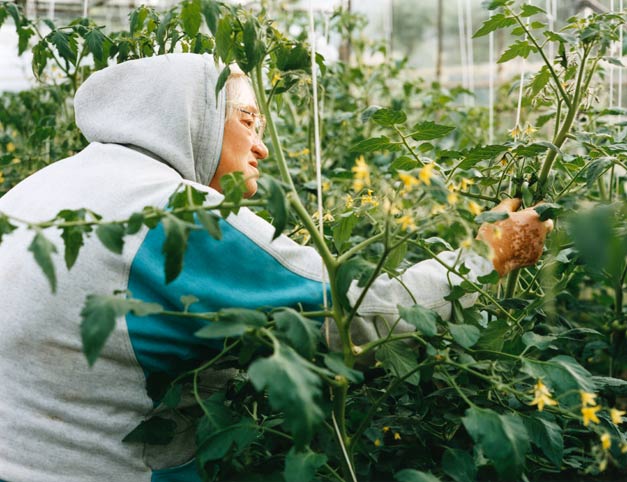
x,y
152,124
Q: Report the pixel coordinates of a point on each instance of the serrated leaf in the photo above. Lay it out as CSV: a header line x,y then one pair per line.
x,y
355,268
491,217
211,12
302,466
389,117
528,10
464,335
481,153
495,22
548,211
411,475
98,320
233,322
211,223
426,131
547,436
335,363
596,168
541,342
94,41
530,150
375,144
343,229
24,34
424,319
503,439
489,279
190,17
404,163
399,360
174,246
369,112
65,45
459,465
154,431
520,48
302,333
43,250
292,388
539,81
223,39
277,205
111,235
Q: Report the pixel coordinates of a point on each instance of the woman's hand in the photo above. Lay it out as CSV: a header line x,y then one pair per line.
x,y
516,241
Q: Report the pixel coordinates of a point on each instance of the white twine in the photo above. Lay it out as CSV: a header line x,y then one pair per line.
x,y
551,7
610,103
492,65
462,46
314,86
51,10
85,7
620,54
470,58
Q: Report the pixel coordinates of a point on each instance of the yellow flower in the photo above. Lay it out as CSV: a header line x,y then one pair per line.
x,y
465,183
386,429
452,198
542,396
617,416
390,208
623,448
606,441
515,132
397,436
1,178
10,147
474,208
408,181
361,174
587,398
369,199
406,222
426,173
16,160
529,129
326,185
377,443
466,243
276,78
437,209
602,465
589,414
348,201
325,217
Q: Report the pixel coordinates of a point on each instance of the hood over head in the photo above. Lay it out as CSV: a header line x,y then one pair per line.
x,y
164,105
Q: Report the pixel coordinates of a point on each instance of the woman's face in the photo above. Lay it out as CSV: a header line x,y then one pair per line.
x,y
242,148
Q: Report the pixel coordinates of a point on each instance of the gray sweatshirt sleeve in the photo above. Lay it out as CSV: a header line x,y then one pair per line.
x,y
425,283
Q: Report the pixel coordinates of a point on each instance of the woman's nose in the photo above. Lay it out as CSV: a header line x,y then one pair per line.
x,y
259,149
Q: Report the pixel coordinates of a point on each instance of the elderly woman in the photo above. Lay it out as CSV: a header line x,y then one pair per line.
x,y
153,124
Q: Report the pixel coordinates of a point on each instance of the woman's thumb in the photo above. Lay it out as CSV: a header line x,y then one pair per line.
x,y
507,205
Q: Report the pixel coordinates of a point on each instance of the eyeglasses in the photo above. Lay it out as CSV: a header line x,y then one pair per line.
x,y
254,121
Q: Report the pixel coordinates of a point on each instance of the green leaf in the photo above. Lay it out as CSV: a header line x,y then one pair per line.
x,y
154,431
3,14
547,436
528,10
548,211
354,268
253,47
541,342
596,168
112,236
172,397
335,363
530,150
481,153
375,144
563,374
277,205
292,388
137,18
98,320
411,475
389,117
222,78
503,439
302,333
135,222
211,223
94,41
343,229
464,335
233,322
539,81
174,246
491,217
489,279
190,16
495,22
459,465
399,360
302,466
5,226
404,163
493,337
41,54
424,319
65,44
223,39
426,131
24,34
211,12
42,250
233,187
520,48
